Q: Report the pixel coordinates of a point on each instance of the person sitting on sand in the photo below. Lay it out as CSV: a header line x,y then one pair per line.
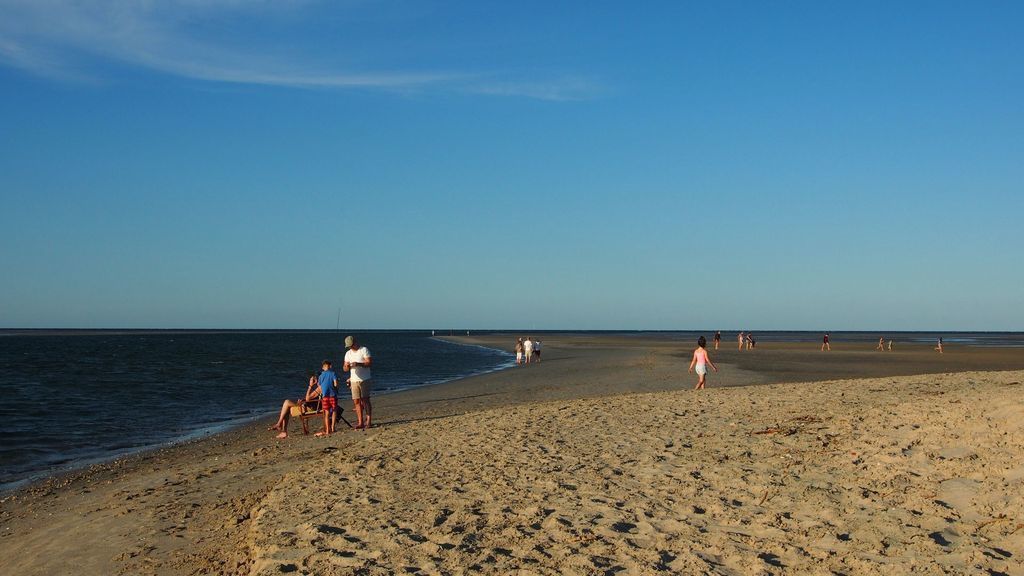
x,y
329,390
312,393
701,360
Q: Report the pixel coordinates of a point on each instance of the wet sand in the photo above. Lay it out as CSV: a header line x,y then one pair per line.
x,y
465,471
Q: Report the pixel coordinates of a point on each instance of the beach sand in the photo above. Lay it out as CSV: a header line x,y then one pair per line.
x,y
598,460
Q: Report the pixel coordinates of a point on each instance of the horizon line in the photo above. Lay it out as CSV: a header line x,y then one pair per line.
x,y
496,330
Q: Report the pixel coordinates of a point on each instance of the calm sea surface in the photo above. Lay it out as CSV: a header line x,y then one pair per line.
x,y
78,398
72,400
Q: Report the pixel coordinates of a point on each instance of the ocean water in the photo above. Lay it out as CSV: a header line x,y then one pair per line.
x,y
74,399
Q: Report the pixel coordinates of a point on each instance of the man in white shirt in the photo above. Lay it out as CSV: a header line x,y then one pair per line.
x,y
528,349
358,362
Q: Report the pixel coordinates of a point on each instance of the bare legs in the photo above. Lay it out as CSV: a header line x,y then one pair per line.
x,y
330,417
282,420
364,412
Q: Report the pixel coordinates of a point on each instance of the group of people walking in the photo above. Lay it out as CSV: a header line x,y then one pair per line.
x,y
883,345
744,340
322,392
527,350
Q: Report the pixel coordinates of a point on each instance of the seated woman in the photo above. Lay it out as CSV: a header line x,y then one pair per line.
x,y
312,393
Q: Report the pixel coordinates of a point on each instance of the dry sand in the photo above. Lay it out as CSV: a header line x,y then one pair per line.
x,y
870,476
599,460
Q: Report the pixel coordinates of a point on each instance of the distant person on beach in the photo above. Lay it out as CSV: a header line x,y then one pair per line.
x,y
312,393
700,362
536,350
890,345
718,339
528,349
329,391
749,340
739,340
519,351
939,345
881,344
824,343
358,362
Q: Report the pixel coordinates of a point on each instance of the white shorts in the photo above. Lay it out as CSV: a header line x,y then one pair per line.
x,y
519,356
701,369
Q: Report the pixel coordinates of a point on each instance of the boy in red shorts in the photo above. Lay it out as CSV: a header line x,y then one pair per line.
x,y
329,389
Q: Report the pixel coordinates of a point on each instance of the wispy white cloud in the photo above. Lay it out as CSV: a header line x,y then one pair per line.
x,y
559,89
67,39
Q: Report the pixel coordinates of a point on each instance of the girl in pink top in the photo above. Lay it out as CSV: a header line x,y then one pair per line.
x,y
701,361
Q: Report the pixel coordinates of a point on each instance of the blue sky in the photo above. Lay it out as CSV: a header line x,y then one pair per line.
x,y
664,165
